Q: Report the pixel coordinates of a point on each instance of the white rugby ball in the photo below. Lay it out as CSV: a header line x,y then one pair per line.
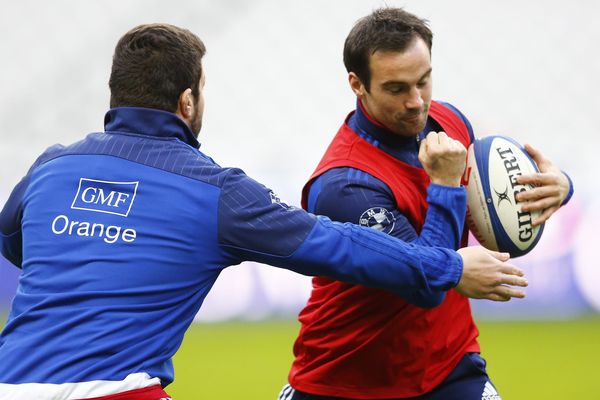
x,y
493,215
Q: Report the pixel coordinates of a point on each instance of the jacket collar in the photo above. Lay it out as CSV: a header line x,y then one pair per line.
x,y
149,122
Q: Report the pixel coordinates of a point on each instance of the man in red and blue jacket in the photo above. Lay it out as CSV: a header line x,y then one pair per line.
x,y
362,343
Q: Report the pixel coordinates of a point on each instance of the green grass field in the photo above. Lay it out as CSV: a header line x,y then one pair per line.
x,y
526,360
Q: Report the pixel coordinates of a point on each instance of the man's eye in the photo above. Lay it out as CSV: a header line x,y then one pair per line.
x,y
396,90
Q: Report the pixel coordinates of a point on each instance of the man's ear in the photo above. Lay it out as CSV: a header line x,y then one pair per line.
x,y
356,85
185,105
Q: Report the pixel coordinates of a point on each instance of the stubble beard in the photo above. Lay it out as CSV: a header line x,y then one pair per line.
x,y
196,123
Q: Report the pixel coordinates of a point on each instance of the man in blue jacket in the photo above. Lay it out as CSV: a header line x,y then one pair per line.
x,y
121,235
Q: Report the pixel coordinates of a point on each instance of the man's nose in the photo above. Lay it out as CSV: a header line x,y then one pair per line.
x,y
414,100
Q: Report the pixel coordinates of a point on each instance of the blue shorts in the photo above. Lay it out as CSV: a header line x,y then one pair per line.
x,y
468,381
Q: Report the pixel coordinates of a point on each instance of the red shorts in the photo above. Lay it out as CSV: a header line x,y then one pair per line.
x,y
148,393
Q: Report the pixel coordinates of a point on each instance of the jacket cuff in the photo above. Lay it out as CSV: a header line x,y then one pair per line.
x,y
570,194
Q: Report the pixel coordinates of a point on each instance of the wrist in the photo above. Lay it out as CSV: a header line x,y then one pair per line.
x,y
459,267
570,192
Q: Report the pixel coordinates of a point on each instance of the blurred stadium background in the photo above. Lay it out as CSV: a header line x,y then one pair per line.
x,y
276,93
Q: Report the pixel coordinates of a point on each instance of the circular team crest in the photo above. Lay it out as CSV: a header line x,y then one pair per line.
x,y
378,218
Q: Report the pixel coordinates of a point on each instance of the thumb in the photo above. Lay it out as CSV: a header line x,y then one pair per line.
x,y
423,151
534,153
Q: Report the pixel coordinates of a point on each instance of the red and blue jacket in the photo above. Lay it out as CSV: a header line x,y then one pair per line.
x,y
363,343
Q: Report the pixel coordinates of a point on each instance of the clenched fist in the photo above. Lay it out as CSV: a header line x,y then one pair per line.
x,y
443,158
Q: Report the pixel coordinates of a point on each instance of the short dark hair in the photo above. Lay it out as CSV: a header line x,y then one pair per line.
x,y
385,29
153,64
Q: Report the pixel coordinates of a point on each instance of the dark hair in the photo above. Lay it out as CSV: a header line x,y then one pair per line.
x,y
153,64
386,29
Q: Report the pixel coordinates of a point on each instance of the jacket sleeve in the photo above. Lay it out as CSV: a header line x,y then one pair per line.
x,y
11,241
11,238
571,190
255,225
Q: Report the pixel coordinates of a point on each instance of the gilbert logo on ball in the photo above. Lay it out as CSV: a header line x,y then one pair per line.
x,y
493,214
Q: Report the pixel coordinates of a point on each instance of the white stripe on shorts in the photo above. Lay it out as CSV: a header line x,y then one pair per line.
x,y
75,390
286,393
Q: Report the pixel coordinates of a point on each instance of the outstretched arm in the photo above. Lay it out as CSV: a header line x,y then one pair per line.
x,y
254,225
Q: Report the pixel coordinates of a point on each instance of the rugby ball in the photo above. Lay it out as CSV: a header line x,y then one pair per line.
x,y
493,215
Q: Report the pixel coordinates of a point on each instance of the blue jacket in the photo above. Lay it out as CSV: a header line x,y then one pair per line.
x,y
120,237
